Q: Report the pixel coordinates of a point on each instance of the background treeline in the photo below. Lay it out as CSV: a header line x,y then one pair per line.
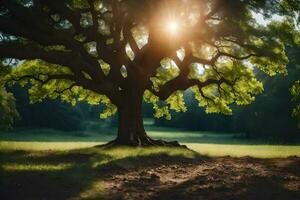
x,y
269,116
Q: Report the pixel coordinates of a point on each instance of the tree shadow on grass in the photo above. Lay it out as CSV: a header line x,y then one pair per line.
x,y
95,173
115,166
30,175
68,175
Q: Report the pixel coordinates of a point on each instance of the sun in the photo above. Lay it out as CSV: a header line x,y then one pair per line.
x,y
172,26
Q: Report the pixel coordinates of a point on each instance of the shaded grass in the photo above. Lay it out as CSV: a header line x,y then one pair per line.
x,y
105,135
206,143
234,150
73,174
42,175
49,135
54,166
79,173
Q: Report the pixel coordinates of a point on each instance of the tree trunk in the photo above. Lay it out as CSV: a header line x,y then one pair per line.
x,y
131,128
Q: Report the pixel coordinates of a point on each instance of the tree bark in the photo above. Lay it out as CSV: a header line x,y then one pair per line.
x,y
131,128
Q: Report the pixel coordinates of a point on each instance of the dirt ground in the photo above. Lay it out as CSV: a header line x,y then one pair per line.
x,y
209,178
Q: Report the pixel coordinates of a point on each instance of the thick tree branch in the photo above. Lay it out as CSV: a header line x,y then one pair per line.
x,y
32,21
213,10
30,52
44,81
166,90
16,28
104,88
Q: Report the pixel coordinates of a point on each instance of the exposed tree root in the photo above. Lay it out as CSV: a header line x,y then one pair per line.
x,y
143,141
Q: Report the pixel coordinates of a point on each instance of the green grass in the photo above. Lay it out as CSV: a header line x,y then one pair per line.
x,y
34,167
234,150
49,135
73,173
104,135
206,143
256,151
40,146
68,166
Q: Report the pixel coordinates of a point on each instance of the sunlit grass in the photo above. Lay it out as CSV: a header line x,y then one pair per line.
x,y
34,167
124,156
39,146
206,143
78,167
72,168
124,152
257,151
234,150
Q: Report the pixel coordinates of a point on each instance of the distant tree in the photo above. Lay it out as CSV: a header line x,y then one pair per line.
x,y
47,114
295,91
270,115
8,112
118,52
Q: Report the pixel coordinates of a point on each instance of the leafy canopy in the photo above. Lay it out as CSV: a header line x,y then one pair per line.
x,y
99,51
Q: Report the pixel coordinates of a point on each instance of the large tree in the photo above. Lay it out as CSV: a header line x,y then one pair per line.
x,y
119,52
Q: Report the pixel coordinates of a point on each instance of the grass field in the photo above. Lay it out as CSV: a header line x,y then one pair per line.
x,y
61,171
45,164
210,144
256,151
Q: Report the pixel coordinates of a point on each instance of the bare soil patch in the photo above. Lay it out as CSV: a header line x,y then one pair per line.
x,y
210,178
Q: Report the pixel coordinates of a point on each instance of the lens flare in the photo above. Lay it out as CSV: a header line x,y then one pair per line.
x,y
172,27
